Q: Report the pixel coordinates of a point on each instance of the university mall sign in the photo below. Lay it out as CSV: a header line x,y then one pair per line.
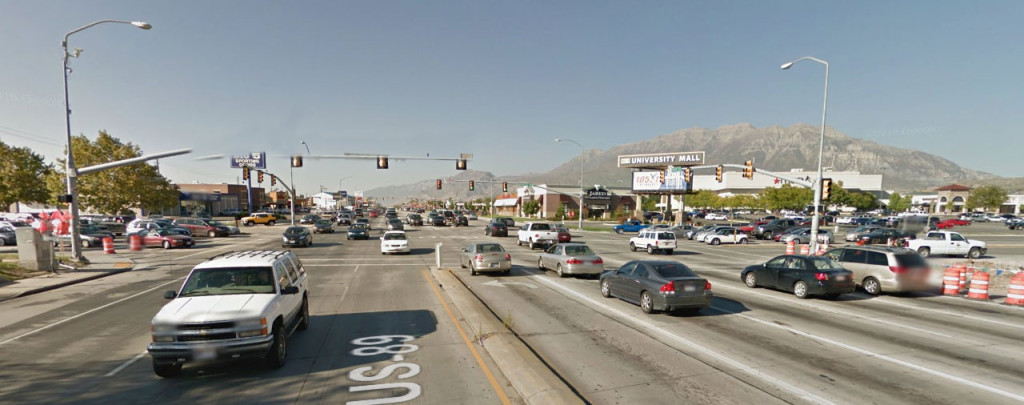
x,y
662,160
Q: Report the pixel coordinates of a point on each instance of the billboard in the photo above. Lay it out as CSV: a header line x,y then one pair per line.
x,y
651,182
254,160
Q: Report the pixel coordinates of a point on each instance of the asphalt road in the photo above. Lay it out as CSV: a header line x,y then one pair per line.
x,y
86,343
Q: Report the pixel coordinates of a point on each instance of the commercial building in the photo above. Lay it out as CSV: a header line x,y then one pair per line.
x,y
598,202
217,198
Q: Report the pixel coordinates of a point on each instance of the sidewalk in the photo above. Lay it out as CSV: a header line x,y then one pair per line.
x,y
100,265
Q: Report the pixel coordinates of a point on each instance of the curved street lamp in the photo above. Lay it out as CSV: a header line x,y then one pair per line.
x,y
821,150
72,171
582,157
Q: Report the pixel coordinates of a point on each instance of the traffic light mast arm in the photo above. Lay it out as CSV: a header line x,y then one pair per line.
x,y
291,191
786,177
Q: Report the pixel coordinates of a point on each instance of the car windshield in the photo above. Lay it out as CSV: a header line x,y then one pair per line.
x,y
673,270
323,222
295,230
578,250
229,280
490,248
394,236
824,263
357,227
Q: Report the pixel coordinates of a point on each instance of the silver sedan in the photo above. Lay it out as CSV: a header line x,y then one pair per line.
x,y
481,257
571,258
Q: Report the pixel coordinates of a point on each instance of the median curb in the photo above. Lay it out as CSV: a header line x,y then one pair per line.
x,y
529,376
117,268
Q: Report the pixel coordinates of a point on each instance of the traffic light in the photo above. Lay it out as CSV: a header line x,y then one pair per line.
x,y
438,184
504,187
748,171
826,189
259,176
297,161
245,173
273,181
460,164
661,177
472,185
718,173
688,175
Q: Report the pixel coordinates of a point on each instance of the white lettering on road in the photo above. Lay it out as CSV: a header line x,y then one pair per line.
x,y
385,344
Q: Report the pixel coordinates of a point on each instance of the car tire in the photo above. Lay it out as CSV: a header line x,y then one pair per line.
x,y
646,304
86,244
558,270
532,245
212,234
606,290
767,235
632,247
800,290
716,241
743,241
304,323
167,244
3,242
519,242
974,253
871,286
924,251
167,370
650,249
278,353
461,264
750,279
270,223
620,231
472,270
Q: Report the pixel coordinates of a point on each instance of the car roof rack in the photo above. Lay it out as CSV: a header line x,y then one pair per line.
x,y
271,254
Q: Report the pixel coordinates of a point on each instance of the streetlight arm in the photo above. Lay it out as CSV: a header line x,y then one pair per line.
x,y
139,24
787,65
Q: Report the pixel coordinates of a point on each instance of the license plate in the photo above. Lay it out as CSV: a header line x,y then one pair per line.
x,y
841,278
204,353
494,264
690,288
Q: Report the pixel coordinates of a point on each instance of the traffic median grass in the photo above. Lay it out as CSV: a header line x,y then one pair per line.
x,y
10,270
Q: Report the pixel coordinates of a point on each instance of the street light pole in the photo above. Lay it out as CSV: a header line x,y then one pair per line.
x,y
816,220
582,157
69,164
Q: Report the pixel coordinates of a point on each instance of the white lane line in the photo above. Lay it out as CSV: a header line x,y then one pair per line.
x,y
87,312
704,350
125,364
890,302
366,264
1017,397
817,308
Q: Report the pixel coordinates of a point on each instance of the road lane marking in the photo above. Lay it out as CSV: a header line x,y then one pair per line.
x,y
126,364
88,312
741,367
487,371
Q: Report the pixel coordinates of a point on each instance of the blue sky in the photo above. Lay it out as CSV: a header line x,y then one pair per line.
x,y
501,80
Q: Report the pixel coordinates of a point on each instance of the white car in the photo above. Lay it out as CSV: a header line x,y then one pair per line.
x,y
714,216
703,236
844,220
394,242
726,235
653,241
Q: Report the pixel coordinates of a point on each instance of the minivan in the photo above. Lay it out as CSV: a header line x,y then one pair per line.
x,y
878,268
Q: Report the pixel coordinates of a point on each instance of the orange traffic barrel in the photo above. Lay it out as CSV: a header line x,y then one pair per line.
x,y
108,245
822,248
979,286
1015,293
135,243
951,281
791,247
805,249
963,278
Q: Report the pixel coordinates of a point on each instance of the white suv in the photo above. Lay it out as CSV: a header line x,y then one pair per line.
x,y
653,241
238,304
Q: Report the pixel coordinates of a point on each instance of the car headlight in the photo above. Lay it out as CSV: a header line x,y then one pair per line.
x,y
284,238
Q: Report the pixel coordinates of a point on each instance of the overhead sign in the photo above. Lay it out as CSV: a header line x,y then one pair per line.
x,y
651,182
255,160
662,159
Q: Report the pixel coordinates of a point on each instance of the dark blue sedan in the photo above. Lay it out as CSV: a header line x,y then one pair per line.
x,y
802,274
358,231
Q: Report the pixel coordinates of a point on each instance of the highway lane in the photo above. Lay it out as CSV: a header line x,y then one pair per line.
x,y
758,342
85,344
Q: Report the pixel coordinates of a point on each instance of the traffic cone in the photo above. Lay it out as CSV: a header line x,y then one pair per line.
x,y
805,249
108,245
951,281
979,286
791,247
135,243
822,248
1015,293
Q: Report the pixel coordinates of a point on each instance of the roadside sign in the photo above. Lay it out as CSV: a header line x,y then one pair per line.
x,y
254,160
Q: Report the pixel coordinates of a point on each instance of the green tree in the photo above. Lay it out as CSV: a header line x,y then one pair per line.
x,y
898,203
788,197
861,201
119,189
989,197
531,207
704,199
560,213
649,202
22,176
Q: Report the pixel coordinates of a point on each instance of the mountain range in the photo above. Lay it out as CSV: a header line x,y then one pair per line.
x,y
774,148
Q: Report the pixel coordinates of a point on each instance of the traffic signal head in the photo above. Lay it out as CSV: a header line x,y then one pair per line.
x,y
297,161
661,177
748,171
460,164
826,188
504,187
718,173
259,176
688,175
273,181
382,162
245,173
472,185
438,184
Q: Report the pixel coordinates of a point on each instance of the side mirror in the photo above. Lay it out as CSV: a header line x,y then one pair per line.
x,y
289,290
170,294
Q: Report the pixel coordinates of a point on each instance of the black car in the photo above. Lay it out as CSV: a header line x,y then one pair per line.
x,y
803,275
461,220
437,220
344,219
883,235
658,286
364,222
509,222
358,231
296,236
496,228
323,226
309,219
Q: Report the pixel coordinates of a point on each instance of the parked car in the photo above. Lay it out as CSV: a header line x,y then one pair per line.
x,y
8,236
727,235
884,235
485,257
202,227
658,286
496,228
323,226
571,258
680,230
653,241
358,231
167,238
629,226
859,231
803,275
296,236
394,242
715,216
703,236
91,236
877,268
803,235
692,233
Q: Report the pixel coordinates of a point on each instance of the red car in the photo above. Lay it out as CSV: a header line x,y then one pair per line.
x,y
958,222
167,239
944,224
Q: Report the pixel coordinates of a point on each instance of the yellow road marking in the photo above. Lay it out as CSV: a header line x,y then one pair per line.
x,y
465,338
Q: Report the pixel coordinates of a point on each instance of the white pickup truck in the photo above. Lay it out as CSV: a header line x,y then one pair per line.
x,y
947,243
536,234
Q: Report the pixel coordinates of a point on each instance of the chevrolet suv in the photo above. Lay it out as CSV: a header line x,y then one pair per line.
x,y
235,305
265,218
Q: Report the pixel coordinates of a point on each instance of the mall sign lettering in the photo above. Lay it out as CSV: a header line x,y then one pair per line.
x,y
653,160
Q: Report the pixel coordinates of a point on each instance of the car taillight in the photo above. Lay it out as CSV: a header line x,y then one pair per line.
x,y
599,261
669,288
707,285
508,256
821,276
574,261
479,258
897,269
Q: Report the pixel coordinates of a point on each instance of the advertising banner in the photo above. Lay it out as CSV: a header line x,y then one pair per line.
x,y
651,182
255,160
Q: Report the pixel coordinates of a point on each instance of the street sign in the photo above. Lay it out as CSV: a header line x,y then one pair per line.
x,y
661,160
254,160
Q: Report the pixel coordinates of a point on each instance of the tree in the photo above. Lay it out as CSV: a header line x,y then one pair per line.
x,y
787,197
531,207
704,199
898,203
22,176
990,197
649,202
861,201
116,190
